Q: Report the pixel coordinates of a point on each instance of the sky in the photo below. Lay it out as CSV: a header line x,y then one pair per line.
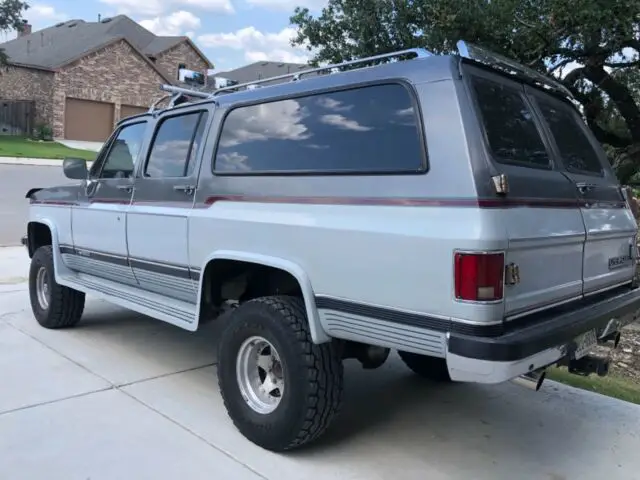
x,y
232,33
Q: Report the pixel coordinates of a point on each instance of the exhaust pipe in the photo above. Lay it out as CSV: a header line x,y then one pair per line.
x,y
532,380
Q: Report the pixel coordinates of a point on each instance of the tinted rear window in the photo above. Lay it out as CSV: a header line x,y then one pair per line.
x,y
576,151
509,123
368,129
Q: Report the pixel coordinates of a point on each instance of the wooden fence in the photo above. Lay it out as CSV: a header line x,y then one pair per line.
x,y
17,117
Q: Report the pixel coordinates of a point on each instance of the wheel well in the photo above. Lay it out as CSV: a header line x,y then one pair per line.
x,y
38,235
237,281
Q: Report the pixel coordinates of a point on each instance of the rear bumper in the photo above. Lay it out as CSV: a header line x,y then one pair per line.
x,y
538,342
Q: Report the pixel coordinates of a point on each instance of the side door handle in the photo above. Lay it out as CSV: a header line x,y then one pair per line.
x,y
126,188
187,189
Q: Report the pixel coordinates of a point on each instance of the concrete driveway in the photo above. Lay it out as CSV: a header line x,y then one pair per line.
x,y
80,144
125,397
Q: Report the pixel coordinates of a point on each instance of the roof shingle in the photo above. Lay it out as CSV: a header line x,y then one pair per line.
x,y
55,46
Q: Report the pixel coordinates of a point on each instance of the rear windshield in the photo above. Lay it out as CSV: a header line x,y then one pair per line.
x,y
509,125
577,153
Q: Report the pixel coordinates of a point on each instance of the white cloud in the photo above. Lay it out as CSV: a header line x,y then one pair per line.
x,y
280,121
288,5
333,104
158,7
41,15
258,46
344,123
177,23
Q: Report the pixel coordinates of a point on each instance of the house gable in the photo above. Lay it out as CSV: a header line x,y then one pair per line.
x,y
116,73
184,53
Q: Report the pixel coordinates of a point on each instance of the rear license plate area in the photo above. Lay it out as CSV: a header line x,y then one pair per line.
x,y
584,343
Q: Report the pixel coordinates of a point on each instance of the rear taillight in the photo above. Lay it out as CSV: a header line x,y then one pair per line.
x,y
479,277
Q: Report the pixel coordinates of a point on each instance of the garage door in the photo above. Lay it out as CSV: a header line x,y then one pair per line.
x,y
87,120
129,110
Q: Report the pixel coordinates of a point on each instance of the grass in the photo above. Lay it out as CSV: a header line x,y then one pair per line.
x,y
25,148
611,385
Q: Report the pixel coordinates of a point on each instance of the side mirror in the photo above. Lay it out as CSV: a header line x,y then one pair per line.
x,y
75,168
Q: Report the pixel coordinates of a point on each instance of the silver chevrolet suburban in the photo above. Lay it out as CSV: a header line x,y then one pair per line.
x,y
454,208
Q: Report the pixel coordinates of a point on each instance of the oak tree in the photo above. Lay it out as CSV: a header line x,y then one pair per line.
x,y
11,19
592,45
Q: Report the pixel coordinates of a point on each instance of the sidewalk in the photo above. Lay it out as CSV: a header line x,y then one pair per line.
x,y
123,396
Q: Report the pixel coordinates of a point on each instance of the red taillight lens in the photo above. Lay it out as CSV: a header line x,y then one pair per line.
x,y
479,276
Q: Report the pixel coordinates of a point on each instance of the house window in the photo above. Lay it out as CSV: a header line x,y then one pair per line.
x,y
181,66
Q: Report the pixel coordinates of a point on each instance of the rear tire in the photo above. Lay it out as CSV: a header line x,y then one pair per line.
x,y
53,305
431,368
279,388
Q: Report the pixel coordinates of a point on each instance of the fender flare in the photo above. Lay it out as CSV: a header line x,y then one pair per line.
x,y
57,258
318,335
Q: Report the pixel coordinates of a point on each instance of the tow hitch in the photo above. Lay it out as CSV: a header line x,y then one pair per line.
x,y
589,364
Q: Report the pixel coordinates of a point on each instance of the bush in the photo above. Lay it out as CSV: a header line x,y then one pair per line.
x,y
43,132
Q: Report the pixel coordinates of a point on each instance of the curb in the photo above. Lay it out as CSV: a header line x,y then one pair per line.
x,y
39,162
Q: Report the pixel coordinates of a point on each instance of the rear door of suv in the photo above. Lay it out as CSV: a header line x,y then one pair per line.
x,y
608,259
541,212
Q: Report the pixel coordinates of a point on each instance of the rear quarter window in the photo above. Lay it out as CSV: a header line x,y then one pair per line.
x,y
372,129
509,124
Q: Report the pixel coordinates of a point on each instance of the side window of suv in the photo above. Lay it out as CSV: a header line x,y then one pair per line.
x,y
372,129
123,153
175,145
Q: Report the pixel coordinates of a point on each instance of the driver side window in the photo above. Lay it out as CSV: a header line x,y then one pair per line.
x,y
122,157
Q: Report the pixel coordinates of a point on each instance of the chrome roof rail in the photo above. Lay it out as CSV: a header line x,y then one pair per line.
x,y
334,68
176,92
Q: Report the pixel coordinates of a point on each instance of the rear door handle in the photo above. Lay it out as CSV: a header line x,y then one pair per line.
x,y
126,188
188,189
585,187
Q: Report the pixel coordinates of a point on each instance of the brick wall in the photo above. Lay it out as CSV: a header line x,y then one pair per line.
x,y
17,83
114,74
169,61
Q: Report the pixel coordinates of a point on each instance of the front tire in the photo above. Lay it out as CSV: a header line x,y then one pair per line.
x,y
279,388
53,305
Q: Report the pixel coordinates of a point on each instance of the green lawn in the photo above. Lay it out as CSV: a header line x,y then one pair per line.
x,y
24,147
611,385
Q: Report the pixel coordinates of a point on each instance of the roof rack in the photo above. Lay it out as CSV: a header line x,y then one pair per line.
x,y
465,49
295,76
500,62
175,93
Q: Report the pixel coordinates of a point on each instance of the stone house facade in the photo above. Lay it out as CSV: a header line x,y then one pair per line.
x,y
84,96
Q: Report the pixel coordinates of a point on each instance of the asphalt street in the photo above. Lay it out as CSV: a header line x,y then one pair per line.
x,y
15,181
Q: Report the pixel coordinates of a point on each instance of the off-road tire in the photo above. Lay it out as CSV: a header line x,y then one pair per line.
x,y
313,374
431,368
65,304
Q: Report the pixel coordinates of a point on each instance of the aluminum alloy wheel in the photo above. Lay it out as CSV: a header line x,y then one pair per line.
x,y
43,289
259,375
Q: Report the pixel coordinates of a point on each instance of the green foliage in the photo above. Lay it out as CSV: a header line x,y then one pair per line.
x,y
43,132
588,36
10,19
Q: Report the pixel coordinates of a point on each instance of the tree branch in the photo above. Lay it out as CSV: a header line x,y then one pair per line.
x,y
619,95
